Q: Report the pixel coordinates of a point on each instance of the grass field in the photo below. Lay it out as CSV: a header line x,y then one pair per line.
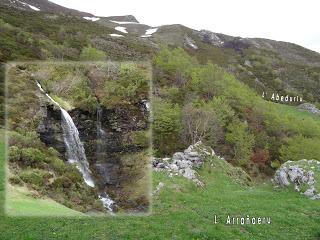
x,y
181,211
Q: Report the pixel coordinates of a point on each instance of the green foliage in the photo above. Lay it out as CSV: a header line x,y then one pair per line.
x,y
32,156
300,147
35,177
138,138
222,109
130,86
92,54
200,124
242,141
166,127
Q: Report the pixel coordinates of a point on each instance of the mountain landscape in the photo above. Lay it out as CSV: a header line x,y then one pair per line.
x,y
235,129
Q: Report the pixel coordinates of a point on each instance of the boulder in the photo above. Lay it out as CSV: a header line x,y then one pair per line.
x,y
300,175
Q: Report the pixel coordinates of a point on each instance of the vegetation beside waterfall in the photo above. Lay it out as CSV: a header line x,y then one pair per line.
x,y
40,165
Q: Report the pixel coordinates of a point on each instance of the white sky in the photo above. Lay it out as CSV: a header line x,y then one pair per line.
x,y
294,21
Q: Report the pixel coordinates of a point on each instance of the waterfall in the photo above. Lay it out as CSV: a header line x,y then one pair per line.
x,y
75,149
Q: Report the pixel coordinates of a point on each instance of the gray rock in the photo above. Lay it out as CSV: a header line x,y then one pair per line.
x,y
161,165
174,167
316,197
309,108
310,192
189,173
298,176
281,178
178,156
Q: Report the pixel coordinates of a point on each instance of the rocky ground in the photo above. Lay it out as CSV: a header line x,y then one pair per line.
x,y
302,175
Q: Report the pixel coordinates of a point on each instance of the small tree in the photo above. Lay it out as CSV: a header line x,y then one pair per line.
x,y
92,54
200,124
241,140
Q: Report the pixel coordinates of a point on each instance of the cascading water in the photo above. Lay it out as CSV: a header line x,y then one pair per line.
x,y
75,149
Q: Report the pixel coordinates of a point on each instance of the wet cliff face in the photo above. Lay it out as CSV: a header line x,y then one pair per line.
x,y
50,129
116,145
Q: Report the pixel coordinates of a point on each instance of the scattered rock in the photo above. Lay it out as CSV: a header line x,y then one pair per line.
x,y
299,175
210,37
183,163
309,108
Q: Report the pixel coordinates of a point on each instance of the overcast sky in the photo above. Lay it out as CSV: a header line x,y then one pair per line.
x,y
294,21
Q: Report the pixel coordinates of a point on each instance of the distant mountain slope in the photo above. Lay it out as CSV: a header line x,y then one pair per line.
x,y
61,33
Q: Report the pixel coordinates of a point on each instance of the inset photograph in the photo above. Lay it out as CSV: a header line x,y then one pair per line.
x,y
79,138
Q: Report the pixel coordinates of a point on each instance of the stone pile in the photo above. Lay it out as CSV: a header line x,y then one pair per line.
x,y
299,177
185,163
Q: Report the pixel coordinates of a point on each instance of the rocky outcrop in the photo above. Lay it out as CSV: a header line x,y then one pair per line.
x,y
309,108
190,43
300,176
211,38
108,140
185,163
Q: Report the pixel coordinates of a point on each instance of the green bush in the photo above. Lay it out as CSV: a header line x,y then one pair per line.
x,y
131,86
35,177
32,156
58,165
14,153
166,127
92,54
300,147
242,141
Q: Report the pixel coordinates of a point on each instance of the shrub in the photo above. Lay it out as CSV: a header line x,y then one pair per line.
x,y
300,147
241,140
35,176
14,153
200,124
58,165
32,156
166,127
92,54
131,86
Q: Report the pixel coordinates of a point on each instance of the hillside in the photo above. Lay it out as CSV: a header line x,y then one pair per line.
x,y
206,87
178,202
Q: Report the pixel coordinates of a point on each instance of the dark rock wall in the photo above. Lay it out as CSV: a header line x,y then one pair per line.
x,y
104,141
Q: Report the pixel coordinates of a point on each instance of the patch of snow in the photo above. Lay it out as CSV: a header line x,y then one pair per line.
x,y
33,8
119,22
93,19
151,31
121,29
116,35
30,6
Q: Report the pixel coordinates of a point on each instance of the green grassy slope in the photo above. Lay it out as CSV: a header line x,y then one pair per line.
x,y
20,203
183,211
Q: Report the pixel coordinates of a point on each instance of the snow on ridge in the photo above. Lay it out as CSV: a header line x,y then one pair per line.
x,y
116,35
34,8
121,29
30,6
93,19
149,32
122,22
